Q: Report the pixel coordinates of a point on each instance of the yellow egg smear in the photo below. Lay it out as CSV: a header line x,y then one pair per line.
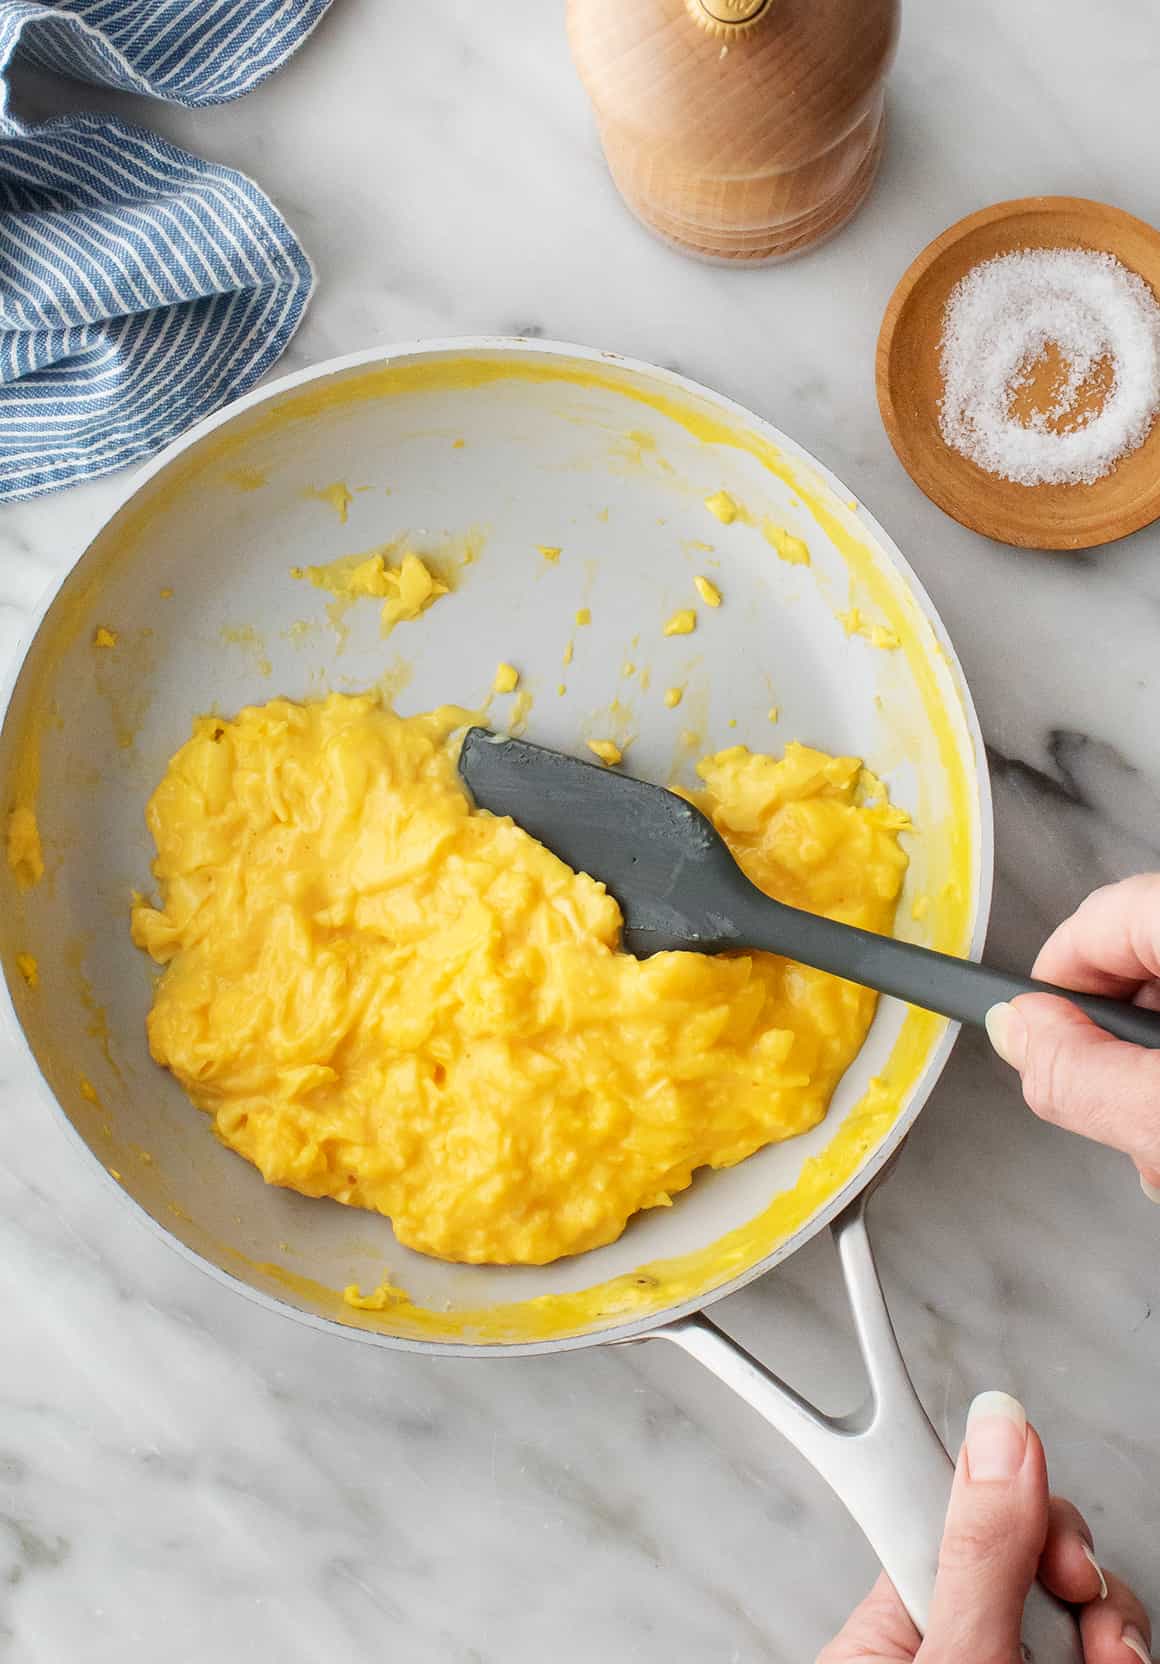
x,y
855,624
25,856
406,588
789,548
384,996
338,496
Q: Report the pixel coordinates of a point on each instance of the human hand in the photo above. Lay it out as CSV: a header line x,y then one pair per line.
x,y
1073,1072
1002,1530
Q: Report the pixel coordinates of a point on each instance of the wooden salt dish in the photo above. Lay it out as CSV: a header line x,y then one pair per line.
x,y
1060,517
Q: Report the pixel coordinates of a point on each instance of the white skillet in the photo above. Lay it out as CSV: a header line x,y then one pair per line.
x,y
503,446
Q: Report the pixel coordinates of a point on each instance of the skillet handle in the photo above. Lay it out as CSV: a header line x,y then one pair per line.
x,y
885,1461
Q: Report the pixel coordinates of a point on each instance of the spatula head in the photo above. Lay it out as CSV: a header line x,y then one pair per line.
x,y
661,859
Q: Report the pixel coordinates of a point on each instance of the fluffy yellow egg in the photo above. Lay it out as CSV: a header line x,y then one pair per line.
x,y
723,506
384,996
507,679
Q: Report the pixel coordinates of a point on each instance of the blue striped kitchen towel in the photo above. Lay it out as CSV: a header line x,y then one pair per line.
x,y
140,287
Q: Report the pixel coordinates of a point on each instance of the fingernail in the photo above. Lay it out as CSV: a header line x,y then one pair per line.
x,y
1151,1191
1132,1638
1007,1033
996,1437
1096,1567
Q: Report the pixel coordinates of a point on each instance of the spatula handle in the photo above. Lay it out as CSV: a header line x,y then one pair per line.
x,y
956,988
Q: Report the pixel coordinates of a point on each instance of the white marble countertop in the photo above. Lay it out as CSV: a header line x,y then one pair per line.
x,y
186,1478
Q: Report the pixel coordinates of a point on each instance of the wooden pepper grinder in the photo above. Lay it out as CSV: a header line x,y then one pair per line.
x,y
739,130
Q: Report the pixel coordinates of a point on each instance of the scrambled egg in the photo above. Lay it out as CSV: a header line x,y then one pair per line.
x,y
384,996
507,678
406,590
877,635
723,506
789,548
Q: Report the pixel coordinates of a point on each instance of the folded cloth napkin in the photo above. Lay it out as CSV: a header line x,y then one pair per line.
x,y
140,287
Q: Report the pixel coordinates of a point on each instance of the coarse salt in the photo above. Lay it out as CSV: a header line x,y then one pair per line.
x,y
999,323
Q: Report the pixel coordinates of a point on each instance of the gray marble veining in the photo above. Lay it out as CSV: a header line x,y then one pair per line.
x,y
184,1477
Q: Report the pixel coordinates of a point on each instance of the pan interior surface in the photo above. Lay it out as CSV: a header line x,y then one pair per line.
x,y
483,455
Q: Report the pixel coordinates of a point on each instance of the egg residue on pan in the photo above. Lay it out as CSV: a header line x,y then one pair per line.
x,y
385,996
25,856
406,588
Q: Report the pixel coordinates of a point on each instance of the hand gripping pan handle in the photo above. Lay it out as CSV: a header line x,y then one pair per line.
x,y
885,1461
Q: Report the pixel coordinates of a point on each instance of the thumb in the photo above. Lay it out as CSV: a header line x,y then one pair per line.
x,y
1081,1077
995,1532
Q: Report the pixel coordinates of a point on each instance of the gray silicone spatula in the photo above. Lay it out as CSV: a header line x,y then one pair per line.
x,y
679,887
